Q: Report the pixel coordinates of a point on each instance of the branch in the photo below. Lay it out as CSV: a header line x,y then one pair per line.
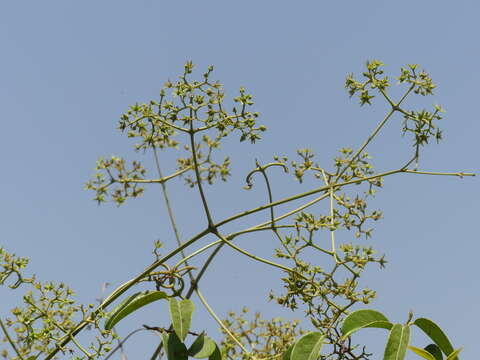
x,y
197,175
222,325
162,179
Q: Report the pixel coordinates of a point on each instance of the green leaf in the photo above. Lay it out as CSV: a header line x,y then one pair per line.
x,y
197,345
436,334
435,351
454,354
174,347
181,314
131,304
423,353
397,342
202,347
288,353
307,347
364,318
217,355
404,342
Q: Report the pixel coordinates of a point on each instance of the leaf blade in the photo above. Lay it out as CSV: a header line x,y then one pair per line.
x,y
422,352
131,304
206,350
181,316
364,318
216,355
434,332
454,354
197,344
307,347
405,341
288,353
175,349
435,351
397,342
187,308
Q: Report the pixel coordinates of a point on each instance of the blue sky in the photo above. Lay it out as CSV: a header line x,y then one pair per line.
x,y
69,69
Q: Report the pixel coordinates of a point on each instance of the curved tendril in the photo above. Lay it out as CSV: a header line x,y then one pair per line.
x,y
261,168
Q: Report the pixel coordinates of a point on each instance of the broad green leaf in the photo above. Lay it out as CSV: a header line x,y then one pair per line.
x,y
307,347
174,347
364,318
288,353
181,314
397,342
404,342
217,355
422,352
206,348
436,334
197,345
454,354
131,304
110,316
435,351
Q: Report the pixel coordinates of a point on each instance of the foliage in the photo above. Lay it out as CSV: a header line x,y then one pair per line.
x,y
191,116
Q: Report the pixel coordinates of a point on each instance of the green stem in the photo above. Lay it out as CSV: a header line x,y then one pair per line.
x,y
274,228
179,128
199,251
231,237
157,351
258,228
9,339
197,175
268,262
405,95
175,230
202,271
220,322
332,227
302,195
459,174
324,188
169,208
89,356
162,179
294,211
331,194
395,107
255,257
389,100
121,343
227,118
364,145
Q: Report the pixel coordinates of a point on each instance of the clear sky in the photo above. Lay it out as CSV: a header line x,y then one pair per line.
x,y
68,69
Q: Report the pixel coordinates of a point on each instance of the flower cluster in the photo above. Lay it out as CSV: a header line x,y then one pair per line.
x,y
185,109
49,314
